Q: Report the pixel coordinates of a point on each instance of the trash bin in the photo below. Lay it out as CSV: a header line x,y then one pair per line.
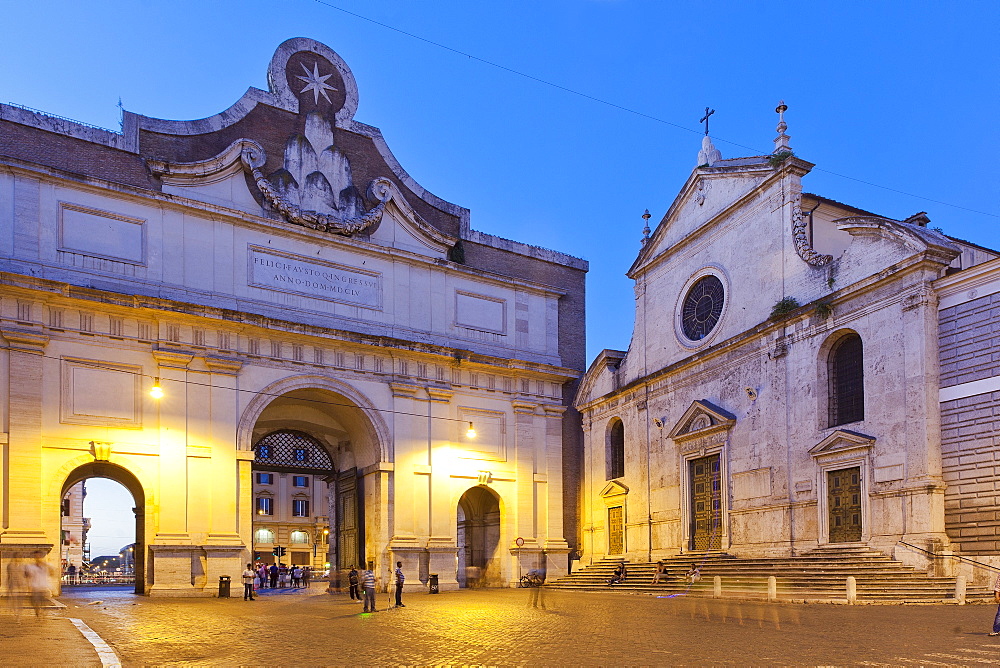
x,y
224,586
433,583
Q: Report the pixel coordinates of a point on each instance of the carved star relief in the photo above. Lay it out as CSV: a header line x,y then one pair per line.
x,y
316,82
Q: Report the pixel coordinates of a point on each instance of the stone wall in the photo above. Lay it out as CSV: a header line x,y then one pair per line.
x,y
970,452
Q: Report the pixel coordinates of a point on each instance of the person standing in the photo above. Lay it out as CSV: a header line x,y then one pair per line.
x,y
996,597
352,580
400,578
368,584
263,575
248,577
38,576
296,577
306,576
273,572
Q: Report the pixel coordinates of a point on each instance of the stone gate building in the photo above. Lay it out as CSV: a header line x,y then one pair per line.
x,y
802,373
306,310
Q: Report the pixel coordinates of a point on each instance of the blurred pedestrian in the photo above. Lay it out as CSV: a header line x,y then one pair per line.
x,y
368,584
296,577
996,597
248,578
273,572
38,576
352,580
306,576
400,578
16,587
263,575
536,598
71,572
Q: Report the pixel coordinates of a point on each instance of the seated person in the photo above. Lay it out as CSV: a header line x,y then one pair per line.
x,y
694,574
619,575
661,572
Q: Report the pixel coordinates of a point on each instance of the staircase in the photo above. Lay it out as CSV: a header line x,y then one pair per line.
x,y
819,574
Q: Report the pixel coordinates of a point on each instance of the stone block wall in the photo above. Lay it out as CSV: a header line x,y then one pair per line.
x,y
970,341
970,451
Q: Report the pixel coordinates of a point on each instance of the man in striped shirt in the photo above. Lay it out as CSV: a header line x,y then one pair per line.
x,y
368,584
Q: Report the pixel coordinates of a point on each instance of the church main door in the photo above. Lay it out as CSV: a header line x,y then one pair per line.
x,y
843,490
706,503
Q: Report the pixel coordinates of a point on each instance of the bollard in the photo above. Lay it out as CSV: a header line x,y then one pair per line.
x,y
717,586
772,588
960,584
852,589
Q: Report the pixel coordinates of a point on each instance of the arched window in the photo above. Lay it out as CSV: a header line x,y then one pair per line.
x,y
615,450
299,537
847,381
294,449
264,536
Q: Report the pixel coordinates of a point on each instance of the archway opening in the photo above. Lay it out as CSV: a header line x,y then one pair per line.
x,y
310,445
102,528
478,538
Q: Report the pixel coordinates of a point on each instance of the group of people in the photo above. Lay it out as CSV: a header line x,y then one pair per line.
x,y
620,574
275,576
365,581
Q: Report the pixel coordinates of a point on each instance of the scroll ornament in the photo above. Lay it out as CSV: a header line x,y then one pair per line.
x,y
801,239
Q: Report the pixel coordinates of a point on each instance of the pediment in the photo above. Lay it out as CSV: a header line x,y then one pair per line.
x,y
606,363
614,488
702,417
842,440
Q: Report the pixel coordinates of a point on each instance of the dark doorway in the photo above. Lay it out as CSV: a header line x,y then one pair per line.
x,y
478,538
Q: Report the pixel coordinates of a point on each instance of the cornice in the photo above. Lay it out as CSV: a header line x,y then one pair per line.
x,y
24,340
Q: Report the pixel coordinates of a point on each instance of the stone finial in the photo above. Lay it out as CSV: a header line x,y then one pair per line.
x,y
645,230
708,155
781,141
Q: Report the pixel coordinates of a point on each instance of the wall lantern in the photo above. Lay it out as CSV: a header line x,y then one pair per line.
x,y
471,433
156,391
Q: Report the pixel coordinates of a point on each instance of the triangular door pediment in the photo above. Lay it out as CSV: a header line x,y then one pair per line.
x,y
702,417
842,440
614,488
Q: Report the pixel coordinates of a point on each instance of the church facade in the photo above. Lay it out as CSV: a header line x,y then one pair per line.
x,y
802,374
259,320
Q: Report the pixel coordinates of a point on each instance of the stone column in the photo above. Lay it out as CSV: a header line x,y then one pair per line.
x,y
924,485
231,497
550,493
441,546
524,518
171,548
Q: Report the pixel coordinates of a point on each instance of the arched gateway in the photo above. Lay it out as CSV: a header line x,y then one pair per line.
x,y
300,288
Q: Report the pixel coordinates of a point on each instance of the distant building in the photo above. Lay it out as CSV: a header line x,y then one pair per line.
x,y
281,282
803,374
73,544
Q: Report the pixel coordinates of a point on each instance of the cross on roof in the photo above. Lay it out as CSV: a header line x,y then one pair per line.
x,y
708,112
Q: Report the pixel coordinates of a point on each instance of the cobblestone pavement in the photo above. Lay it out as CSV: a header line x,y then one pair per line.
x,y
498,627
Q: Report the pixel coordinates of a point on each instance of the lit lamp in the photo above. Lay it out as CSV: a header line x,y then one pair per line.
x,y
156,391
471,433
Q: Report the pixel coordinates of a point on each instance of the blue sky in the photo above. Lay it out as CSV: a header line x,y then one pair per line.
x,y
903,95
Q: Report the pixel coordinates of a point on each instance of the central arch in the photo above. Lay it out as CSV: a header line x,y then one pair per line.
x,y
313,510
478,538
121,475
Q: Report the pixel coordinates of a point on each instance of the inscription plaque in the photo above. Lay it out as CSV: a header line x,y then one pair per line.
x,y
285,272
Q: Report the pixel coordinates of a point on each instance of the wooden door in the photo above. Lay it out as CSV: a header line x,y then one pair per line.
x,y
843,489
349,533
706,503
616,530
